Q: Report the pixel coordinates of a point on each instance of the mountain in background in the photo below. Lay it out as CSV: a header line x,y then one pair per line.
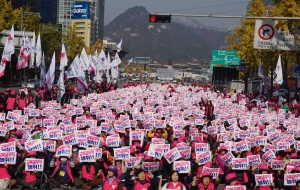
x,y
188,22
163,41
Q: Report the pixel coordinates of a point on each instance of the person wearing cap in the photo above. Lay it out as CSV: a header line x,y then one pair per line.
x,y
231,180
31,179
205,182
112,182
264,169
136,180
173,183
62,173
22,101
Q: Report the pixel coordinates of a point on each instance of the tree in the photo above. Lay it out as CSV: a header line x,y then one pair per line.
x,y
51,36
97,46
74,43
8,15
242,39
29,20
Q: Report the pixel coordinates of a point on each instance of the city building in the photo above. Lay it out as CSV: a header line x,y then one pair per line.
x,y
47,9
95,10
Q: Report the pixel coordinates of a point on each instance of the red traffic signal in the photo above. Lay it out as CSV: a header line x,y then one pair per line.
x,y
159,18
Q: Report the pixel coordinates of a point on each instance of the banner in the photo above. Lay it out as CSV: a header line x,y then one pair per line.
x,y
236,187
55,134
113,141
182,166
178,133
268,156
253,160
129,163
241,146
261,140
291,179
282,146
150,166
87,155
8,157
98,152
158,141
203,157
214,172
172,155
32,164
201,147
93,141
239,164
34,145
49,145
122,153
227,158
277,164
64,150
69,139
263,179
82,142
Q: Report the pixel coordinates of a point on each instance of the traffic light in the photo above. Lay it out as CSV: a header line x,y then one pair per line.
x,y
159,18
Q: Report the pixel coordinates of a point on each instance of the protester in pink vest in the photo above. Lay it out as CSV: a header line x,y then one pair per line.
x,y
62,173
263,169
205,182
5,171
10,105
173,183
31,179
22,101
231,180
112,182
138,182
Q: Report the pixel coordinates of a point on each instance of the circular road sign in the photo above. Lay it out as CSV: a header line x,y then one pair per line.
x,y
266,32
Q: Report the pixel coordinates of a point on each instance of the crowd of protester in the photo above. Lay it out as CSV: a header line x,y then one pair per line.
x,y
219,119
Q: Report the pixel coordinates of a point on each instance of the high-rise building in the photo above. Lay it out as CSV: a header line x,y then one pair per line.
x,y
96,16
47,9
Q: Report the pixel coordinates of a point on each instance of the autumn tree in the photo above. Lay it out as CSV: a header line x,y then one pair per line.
x,y
97,46
74,43
8,15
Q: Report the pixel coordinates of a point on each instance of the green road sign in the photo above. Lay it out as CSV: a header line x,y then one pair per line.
x,y
225,57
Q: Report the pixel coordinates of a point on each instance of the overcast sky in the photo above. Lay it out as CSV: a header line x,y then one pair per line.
x,y
113,8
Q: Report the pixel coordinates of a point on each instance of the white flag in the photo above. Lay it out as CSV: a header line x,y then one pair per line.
x,y
108,60
129,61
75,69
25,52
50,74
61,86
114,66
9,49
278,72
43,72
92,64
84,59
32,51
103,63
38,51
119,46
260,71
63,58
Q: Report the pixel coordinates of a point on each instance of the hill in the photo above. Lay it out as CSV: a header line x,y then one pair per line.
x,y
163,41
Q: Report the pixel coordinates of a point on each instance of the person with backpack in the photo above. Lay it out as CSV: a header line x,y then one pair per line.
x,y
112,182
173,183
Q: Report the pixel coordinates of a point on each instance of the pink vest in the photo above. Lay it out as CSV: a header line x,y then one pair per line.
x,y
22,103
113,186
210,186
139,186
10,103
86,175
170,186
68,170
30,177
3,172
